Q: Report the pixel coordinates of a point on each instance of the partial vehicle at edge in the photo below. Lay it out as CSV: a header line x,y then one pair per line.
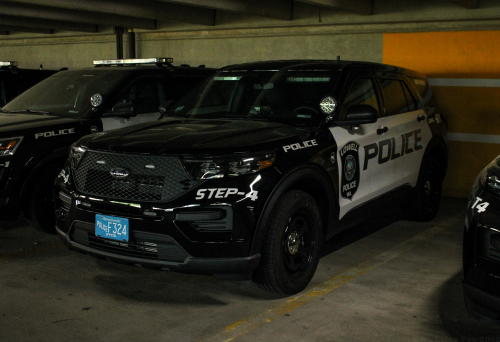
x,y
481,246
38,127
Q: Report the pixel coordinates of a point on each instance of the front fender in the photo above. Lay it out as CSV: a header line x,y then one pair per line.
x,y
309,178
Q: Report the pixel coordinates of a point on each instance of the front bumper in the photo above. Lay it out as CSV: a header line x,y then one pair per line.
x,y
10,193
483,304
240,268
203,239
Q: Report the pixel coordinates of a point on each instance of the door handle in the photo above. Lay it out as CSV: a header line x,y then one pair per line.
x,y
382,130
420,118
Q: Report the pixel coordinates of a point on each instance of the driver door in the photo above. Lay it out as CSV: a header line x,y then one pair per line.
x,y
360,179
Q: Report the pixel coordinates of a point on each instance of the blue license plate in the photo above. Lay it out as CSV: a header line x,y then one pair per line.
x,y
111,227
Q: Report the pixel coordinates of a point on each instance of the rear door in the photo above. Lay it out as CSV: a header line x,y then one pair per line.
x,y
409,134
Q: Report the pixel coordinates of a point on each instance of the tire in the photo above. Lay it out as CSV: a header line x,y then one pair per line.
x,y
428,191
40,209
291,250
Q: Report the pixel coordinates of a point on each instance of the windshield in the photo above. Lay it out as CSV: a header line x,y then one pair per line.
x,y
67,96
291,97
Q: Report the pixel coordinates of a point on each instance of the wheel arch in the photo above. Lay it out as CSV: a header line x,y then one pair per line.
x,y
56,157
309,178
437,147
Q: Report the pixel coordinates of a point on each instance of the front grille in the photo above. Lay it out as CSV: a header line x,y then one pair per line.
x,y
164,179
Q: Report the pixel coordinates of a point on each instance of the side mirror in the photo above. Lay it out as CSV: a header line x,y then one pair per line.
x,y
166,106
359,114
121,110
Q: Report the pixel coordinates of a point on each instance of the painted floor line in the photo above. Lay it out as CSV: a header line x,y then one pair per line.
x,y
30,251
247,325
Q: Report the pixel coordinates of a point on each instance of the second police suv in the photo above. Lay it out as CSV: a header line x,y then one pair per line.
x,y
38,127
250,172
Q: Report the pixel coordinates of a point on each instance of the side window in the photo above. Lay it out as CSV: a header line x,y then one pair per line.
x,y
394,96
3,97
361,91
412,105
145,95
424,90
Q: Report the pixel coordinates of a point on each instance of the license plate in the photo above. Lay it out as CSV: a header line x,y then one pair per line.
x,y
111,227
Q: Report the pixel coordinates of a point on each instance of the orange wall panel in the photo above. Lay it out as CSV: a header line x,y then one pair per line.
x,y
468,109
470,54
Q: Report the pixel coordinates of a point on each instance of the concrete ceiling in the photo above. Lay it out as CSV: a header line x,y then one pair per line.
x,y
48,16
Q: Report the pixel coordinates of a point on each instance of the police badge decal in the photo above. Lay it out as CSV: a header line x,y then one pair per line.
x,y
349,157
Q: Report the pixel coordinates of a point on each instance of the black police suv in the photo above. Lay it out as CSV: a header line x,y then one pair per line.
x,y
250,172
15,80
38,127
481,246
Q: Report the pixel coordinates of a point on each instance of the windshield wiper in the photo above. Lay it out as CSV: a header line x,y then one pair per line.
x,y
31,111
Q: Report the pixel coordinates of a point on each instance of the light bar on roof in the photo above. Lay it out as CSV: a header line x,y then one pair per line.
x,y
156,60
8,63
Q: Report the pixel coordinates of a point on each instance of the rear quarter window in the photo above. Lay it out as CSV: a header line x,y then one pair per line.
x,y
394,96
424,90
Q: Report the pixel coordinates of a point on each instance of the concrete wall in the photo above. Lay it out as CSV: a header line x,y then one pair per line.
x,y
313,33
432,36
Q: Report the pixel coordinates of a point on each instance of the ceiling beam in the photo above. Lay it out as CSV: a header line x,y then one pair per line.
x,y
277,9
9,28
147,9
48,13
363,7
46,24
469,4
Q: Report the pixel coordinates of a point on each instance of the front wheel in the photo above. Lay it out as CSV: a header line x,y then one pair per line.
x,y
292,247
40,209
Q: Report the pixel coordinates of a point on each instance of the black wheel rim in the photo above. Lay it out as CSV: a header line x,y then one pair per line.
x,y
298,244
431,191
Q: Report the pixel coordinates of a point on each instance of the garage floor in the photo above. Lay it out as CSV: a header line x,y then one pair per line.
x,y
388,280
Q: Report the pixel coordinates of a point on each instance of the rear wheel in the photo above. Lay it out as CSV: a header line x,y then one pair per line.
x,y
428,190
291,251
40,209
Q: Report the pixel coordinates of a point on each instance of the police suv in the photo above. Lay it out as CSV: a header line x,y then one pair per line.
x,y
38,127
250,172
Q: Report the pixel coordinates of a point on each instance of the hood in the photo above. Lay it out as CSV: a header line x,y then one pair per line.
x,y
10,123
182,136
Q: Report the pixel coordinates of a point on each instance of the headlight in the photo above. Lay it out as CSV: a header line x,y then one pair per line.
x,y
9,146
228,166
75,155
491,182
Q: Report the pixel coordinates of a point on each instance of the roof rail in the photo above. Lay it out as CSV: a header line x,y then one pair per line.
x,y
11,63
156,60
